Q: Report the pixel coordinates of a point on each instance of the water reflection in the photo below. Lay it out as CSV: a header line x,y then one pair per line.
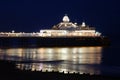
x,y
73,59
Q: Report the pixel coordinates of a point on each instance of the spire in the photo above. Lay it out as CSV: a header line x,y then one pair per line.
x,y
66,18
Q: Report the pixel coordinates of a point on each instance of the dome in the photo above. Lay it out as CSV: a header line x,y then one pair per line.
x,y
66,18
83,24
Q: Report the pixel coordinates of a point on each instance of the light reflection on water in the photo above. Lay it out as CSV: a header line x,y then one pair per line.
x,y
72,59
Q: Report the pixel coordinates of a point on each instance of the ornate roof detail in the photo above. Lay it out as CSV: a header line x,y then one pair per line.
x,y
67,25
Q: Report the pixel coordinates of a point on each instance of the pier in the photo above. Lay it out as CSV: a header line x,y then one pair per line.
x,y
36,41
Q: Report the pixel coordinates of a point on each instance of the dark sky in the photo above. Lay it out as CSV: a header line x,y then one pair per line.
x,y
33,15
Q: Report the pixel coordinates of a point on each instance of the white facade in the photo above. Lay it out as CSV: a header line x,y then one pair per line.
x,y
65,33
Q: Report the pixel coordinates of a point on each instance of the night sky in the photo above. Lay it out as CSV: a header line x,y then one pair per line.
x,y
33,15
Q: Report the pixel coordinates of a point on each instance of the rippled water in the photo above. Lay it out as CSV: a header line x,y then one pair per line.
x,y
93,60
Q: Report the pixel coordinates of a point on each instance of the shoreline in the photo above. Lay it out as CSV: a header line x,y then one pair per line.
x,y
9,71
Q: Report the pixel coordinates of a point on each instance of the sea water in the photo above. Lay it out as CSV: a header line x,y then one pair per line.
x,y
92,59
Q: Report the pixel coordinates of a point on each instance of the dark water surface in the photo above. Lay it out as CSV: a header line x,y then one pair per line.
x,y
93,60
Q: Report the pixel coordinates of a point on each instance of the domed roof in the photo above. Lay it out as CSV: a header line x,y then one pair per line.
x,y
66,18
83,24
66,25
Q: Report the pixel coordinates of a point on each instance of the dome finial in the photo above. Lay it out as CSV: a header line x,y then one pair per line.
x,y
66,18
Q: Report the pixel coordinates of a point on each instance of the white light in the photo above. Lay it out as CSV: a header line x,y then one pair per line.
x,y
83,24
66,18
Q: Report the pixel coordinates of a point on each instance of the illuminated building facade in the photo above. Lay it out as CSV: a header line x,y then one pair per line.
x,y
69,29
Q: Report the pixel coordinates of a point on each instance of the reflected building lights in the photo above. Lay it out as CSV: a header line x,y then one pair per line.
x,y
64,59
